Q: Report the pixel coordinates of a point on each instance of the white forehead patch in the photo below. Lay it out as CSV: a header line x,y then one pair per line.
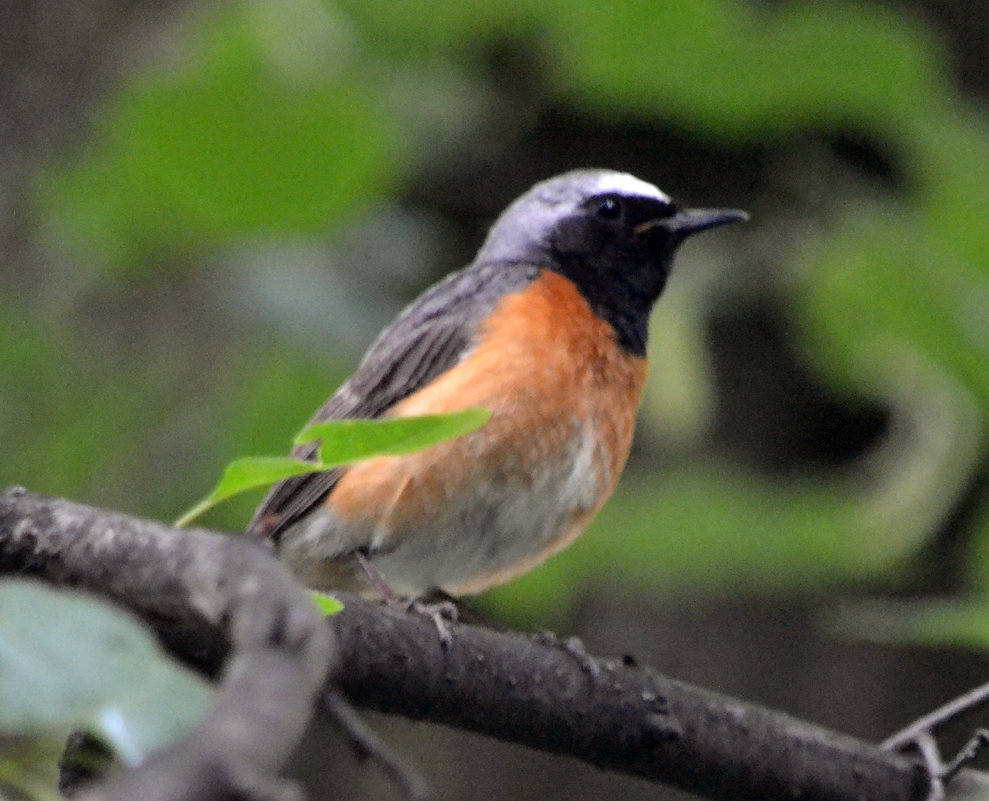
x,y
521,233
624,183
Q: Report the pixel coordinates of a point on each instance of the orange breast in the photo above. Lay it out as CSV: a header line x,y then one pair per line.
x,y
556,381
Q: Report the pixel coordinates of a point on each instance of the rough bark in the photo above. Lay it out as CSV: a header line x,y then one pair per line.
x,y
218,600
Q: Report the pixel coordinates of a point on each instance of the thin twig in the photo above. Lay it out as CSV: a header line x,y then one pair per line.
x,y
934,720
971,750
931,754
368,745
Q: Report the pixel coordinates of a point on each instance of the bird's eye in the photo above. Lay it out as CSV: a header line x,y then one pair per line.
x,y
609,208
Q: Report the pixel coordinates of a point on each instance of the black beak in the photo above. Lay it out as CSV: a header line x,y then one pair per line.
x,y
690,221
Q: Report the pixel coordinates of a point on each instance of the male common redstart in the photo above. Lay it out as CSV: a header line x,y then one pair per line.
x,y
546,328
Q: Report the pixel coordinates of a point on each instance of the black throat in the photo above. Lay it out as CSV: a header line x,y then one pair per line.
x,y
620,300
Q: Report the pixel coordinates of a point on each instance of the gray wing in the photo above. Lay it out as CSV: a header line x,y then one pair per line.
x,y
430,336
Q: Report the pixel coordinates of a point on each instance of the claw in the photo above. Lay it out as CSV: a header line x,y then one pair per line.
x,y
440,613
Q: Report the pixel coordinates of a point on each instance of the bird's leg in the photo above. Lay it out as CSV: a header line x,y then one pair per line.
x,y
377,580
440,613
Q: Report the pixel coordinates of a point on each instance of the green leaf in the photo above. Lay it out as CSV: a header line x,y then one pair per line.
x,y
249,473
70,661
327,604
346,441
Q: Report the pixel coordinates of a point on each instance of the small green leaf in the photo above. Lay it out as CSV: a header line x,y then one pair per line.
x,y
346,441
343,442
69,661
327,604
249,473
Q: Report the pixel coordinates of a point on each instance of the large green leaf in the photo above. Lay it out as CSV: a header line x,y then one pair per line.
x,y
69,661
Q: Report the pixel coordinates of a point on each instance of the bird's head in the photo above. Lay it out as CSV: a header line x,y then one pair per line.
x,y
612,234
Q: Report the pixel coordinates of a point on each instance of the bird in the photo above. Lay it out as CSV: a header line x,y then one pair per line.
x,y
546,328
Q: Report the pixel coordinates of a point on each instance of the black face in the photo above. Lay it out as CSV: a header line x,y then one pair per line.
x,y
626,213
618,252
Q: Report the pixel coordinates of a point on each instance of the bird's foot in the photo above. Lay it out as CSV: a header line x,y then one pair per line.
x,y
442,614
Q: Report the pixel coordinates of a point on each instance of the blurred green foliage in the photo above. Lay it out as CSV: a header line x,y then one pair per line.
x,y
60,428
273,123
263,123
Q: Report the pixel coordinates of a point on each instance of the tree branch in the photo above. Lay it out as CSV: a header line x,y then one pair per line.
x,y
200,590
632,720
212,598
